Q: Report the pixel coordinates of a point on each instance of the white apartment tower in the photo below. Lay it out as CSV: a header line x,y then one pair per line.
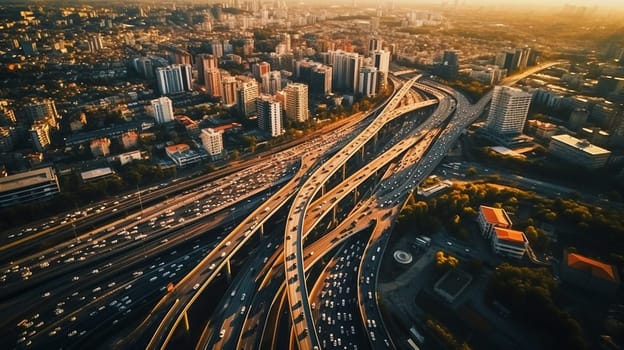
x,y
297,101
212,140
508,111
163,110
247,94
367,82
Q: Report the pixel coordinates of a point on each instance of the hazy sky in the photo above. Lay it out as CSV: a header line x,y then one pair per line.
x,y
523,3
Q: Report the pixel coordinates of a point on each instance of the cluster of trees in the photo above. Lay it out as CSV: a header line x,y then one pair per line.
x,y
445,262
445,336
529,294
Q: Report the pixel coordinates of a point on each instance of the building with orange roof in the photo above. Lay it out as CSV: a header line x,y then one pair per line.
x,y
182,155
490,217
509,243
588,273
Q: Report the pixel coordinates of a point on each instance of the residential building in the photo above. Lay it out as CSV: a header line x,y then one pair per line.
x,y
247,94
367,81
274,83
44,110
129,139
6,138
588,273
162,110
578,151
345,70
381,61
297,101
212,140
40,135
100,147
269,112
260,70
205,62
509,243
490,218
213,82
174,79
29,186
229,85
508,111
191,126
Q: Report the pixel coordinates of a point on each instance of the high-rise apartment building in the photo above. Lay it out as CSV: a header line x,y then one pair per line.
x,y
212,140
162,109
173,79
367,81
213,82
297,101
374,44
275,82
381,61
508,111
345,70
95,43
247,93
260,69
205,62
44,110
269,115
229,85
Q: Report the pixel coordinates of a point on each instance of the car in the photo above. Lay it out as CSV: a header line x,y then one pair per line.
x,y
196,286
222,333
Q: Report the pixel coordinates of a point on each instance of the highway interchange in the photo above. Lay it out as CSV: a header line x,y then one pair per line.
x,y
293,242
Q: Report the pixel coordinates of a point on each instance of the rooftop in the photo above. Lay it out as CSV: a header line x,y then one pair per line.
x,y
495,216
504,234
581,145
27,178
595,267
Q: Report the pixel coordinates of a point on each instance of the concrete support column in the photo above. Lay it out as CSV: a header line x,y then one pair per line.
x,y
261,230
344,171
334,211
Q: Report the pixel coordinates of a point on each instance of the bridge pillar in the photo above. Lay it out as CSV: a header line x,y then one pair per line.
x,y
261,231
355,196
344,171
323,190
228,270
362,152
375,139
334,211
187,325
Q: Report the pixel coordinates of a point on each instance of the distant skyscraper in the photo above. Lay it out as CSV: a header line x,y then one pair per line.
x,y
345,69
229,85
367,82
508,110
174,79
269,115
163,110
297,101
212,140
247,94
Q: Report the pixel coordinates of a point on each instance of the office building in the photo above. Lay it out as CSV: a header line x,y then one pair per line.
x,y
269,112
162,110
374,44
212,140
297,101
345,70
367,82
509,243
490,218
174,79
40,135
578,151
247,93
182,155
321,81
29,186
449,66
508,111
